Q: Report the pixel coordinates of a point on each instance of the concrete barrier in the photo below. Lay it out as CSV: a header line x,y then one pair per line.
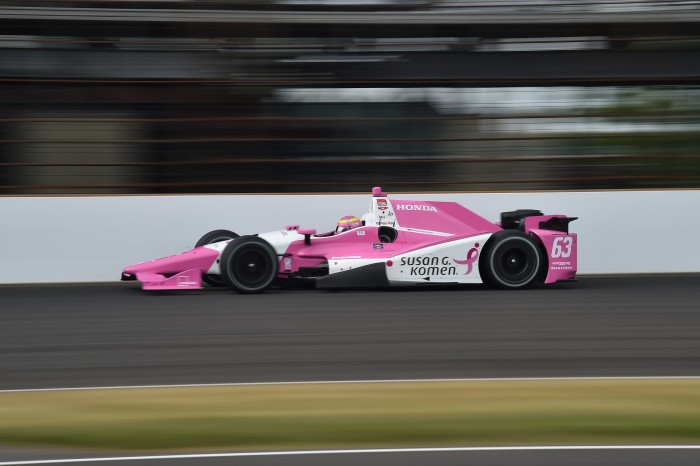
x,y
86,239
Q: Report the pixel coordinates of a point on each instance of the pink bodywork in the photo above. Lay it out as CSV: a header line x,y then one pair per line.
x,y
448,218
562,260
419,224
167,273
346,245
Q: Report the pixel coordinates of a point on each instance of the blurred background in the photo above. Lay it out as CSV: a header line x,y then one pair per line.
x,y
283,96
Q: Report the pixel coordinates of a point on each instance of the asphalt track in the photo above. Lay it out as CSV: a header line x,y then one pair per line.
x,y
571,457
116,334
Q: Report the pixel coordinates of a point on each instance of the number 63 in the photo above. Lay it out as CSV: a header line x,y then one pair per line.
x,y
562,246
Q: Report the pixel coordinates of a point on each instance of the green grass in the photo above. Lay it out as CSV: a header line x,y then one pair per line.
x,y
357,415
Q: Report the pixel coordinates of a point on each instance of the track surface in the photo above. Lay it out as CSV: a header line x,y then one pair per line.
x,y
106,335
472,458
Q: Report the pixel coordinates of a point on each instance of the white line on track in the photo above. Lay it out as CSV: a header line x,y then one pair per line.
x,y
338,382
352,451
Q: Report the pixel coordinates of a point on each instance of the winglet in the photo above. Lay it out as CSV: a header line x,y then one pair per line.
x,y
187,280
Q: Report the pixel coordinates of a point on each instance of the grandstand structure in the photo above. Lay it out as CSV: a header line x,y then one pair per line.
x,y
167,96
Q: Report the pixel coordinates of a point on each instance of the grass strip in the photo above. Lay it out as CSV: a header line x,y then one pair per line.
x,y
357,415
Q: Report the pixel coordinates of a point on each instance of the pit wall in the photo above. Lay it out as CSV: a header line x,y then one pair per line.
x,y
90,239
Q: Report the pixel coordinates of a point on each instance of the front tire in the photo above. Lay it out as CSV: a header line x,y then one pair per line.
x,y
215,236
249,265
511,260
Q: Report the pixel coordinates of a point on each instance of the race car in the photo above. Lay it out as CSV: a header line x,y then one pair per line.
x,y
398,242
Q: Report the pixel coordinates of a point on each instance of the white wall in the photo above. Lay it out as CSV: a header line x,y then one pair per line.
x,y
81,239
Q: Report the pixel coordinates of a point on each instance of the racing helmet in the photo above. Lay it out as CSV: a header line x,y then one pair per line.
x,y
347,223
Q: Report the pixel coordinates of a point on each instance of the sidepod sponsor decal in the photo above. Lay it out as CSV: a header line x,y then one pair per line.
x,y
429,265
440,265
472,256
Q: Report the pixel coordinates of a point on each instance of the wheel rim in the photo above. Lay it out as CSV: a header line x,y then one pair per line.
x,y
252,268
515,265
514,262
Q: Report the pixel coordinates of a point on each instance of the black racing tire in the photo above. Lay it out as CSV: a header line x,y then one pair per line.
x,y
511,260
214,237
249,265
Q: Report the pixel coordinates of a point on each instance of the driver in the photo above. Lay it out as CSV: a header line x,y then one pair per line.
x,y
347,223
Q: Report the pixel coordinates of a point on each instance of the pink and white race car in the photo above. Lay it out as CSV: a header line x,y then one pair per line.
x,y
396,243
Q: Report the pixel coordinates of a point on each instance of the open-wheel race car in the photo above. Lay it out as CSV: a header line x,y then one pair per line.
x,y
398,242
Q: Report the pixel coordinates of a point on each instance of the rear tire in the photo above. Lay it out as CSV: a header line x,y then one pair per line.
x,y
215,237
249,265
511,260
